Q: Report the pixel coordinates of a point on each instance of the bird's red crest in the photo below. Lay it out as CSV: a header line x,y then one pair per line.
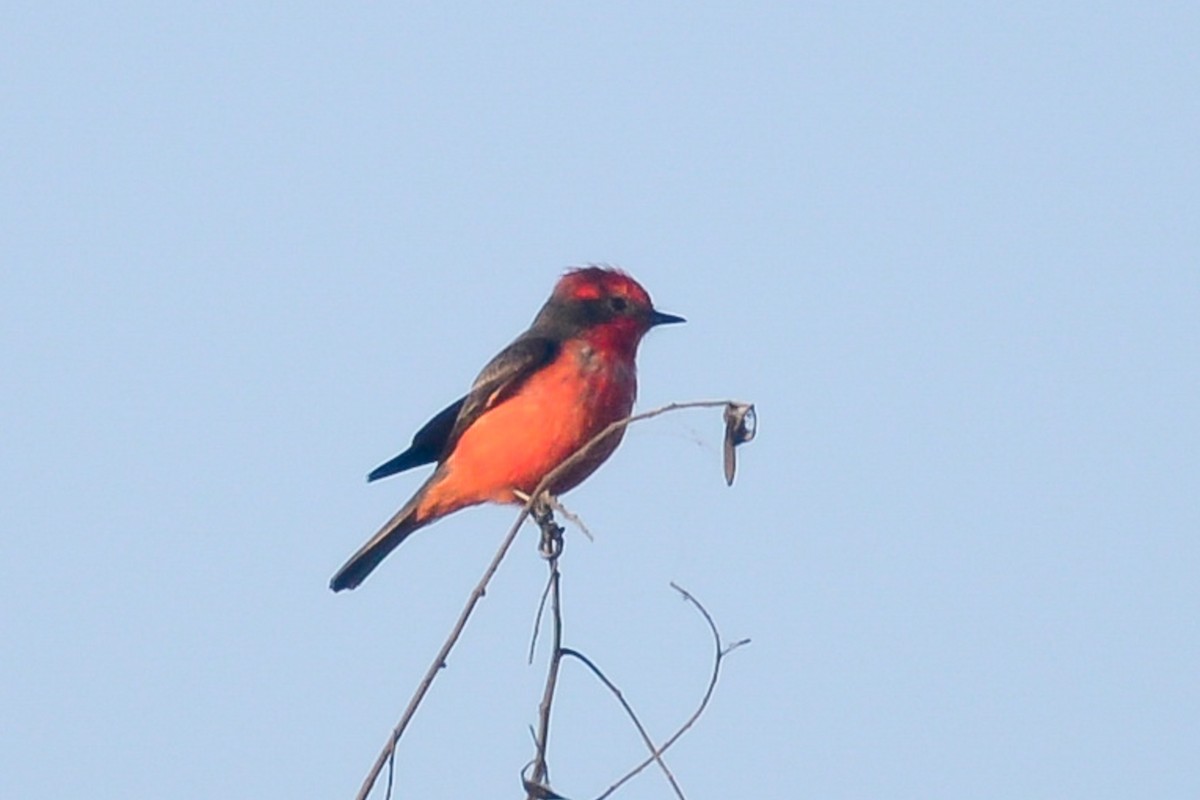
x,y
589,283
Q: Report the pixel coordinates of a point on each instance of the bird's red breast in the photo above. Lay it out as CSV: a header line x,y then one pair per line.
x,y
516,443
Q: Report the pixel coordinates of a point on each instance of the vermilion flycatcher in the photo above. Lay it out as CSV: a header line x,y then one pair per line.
x,y
542,398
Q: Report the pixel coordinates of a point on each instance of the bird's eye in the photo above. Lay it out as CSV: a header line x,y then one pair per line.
x,y
618,304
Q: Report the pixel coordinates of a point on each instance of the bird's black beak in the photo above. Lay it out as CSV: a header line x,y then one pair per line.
x,y
659,318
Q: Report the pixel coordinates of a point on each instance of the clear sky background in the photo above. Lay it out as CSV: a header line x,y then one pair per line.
x,y
951,252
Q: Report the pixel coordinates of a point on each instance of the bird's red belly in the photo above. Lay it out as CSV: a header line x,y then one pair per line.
x,y
514,444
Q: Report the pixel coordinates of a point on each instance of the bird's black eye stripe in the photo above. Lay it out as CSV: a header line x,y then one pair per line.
x,y
618,304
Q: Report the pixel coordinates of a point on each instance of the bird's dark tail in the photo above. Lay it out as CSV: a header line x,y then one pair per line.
x,y
389,537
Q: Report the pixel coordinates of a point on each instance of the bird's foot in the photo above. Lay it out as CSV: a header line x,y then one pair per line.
x,y
542,512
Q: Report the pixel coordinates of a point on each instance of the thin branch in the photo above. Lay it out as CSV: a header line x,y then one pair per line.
x,y
721,652
537,618
580,454
656,754
389,750
388,753
552,543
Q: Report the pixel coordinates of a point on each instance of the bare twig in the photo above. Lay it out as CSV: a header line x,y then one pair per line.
x,y
721,652
537,618
388,753
637,723
580,454
554,504
537,785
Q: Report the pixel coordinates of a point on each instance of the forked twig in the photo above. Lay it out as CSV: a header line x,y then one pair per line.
x,y
656,754
721,652
537,785
388,753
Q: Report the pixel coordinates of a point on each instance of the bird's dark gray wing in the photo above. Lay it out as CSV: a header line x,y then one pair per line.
x,y
502,376
498,380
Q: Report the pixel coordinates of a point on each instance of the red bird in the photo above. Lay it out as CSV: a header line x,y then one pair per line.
x,y
538,401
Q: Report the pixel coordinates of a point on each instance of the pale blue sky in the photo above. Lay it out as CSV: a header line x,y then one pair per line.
x,y
950,251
